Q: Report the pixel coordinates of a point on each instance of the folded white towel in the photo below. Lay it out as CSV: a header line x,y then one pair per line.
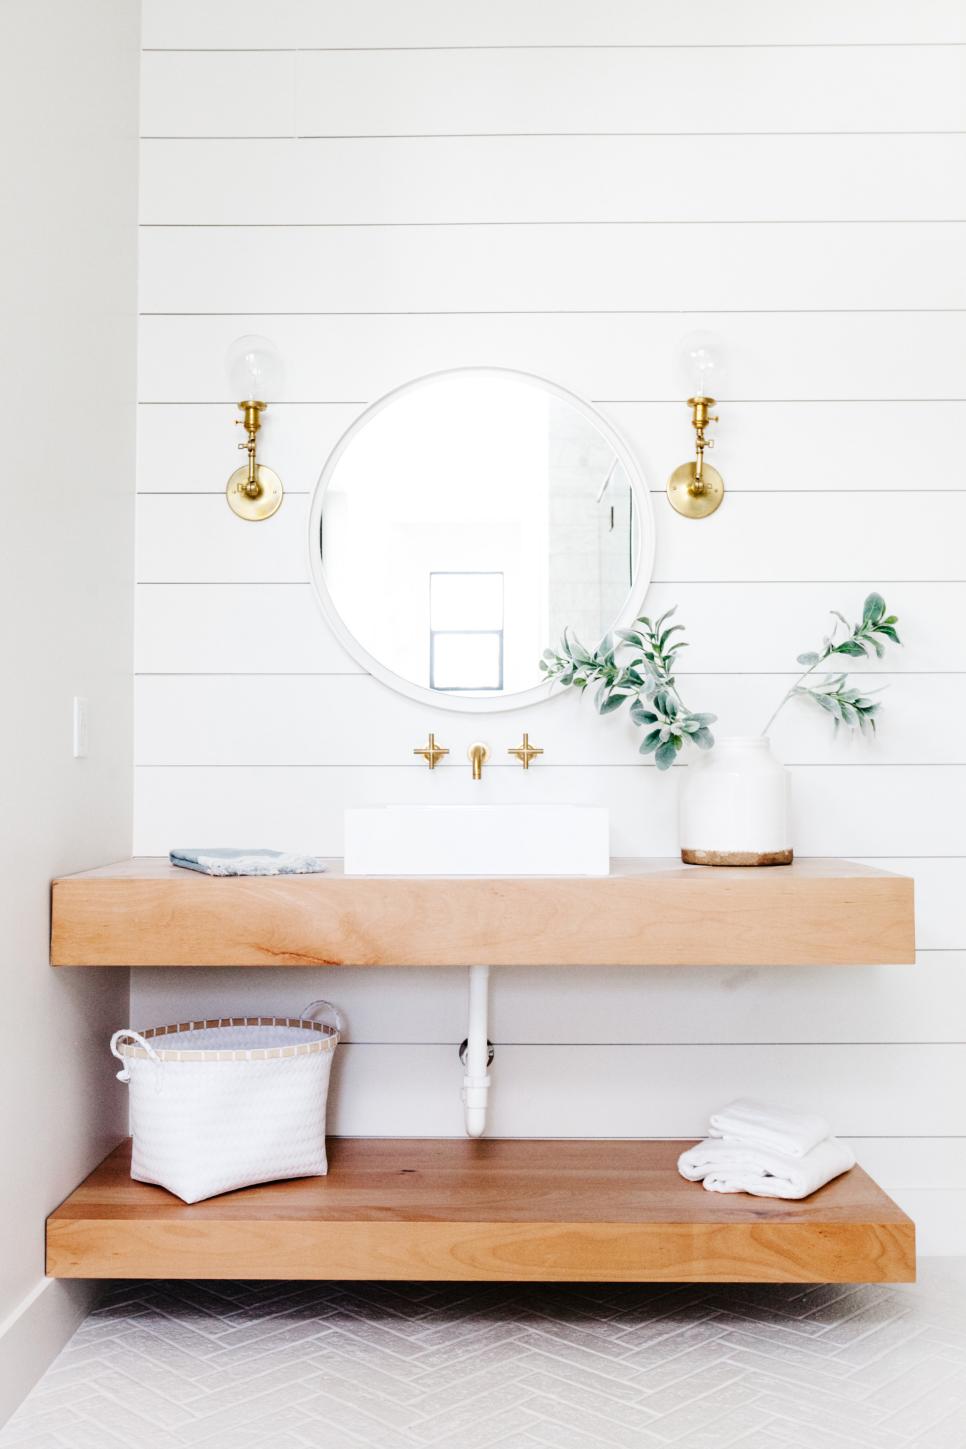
x,y
219,861
774,1128
739,1167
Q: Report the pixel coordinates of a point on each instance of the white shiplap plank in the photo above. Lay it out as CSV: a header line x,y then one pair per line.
x,y
301,808
579,1007
196,538
834,446
235,628
862,1090
925,1003
761,266
666,1091
691,89
422,1004
251,24
552,179
821,446
232,93
771,356
332,719
395,1087
761,628
929,1164
939,1217
772,537
873,810
185,23
190,448
753,537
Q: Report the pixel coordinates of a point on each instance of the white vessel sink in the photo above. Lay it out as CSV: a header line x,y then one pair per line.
x,y
477,840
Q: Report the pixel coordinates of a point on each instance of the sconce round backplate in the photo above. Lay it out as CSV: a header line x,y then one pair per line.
x,y
683,498
264,504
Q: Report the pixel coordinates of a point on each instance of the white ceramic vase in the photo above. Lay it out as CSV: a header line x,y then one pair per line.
x,y
734,806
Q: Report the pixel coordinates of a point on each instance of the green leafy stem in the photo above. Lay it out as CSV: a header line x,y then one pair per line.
x,y
846,705
636,665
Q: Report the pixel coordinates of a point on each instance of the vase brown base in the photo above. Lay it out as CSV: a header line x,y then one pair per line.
x,y
737,857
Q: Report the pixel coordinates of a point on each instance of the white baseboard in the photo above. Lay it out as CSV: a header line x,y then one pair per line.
x,y
35,1332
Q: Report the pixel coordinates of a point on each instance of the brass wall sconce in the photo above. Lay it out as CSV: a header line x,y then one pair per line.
x,y
696,489
254,491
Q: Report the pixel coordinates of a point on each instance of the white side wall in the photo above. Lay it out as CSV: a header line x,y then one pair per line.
x,y
390,189
68,179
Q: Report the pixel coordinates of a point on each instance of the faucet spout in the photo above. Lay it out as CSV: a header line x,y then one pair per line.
x,y
477,755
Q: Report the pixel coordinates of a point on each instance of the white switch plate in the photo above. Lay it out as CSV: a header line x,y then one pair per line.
x,y
81,728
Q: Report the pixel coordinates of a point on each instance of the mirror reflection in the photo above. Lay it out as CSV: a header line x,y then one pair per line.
x,y
465,521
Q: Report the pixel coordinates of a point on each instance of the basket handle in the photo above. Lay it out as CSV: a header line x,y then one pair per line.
x,y
338,1020
124,1075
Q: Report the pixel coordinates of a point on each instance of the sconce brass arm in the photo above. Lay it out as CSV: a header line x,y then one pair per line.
x,y
254,492
696,489
251,422
700,418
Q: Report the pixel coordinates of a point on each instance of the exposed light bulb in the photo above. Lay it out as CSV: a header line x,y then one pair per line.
x,y
254,368
701,364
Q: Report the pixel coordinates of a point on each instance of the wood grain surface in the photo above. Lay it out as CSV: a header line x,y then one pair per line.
x,y
145,912
517,1211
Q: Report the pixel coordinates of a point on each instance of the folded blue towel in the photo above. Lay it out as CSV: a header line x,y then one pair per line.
x,y
246,862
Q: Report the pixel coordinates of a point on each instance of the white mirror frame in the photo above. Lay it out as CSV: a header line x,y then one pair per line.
x,y
481,704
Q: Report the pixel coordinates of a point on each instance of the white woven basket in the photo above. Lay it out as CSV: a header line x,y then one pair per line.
x,y
230,1102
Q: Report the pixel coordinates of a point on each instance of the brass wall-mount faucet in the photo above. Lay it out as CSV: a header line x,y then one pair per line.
x,y
478,754
431,752
525,753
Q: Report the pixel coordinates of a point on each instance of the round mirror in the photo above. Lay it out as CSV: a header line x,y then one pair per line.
x,y
464,521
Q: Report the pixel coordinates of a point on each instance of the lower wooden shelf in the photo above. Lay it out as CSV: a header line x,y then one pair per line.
x,y
501,1211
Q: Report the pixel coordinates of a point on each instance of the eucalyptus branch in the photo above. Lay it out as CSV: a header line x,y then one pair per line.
x,y
637,666
847,706
844,703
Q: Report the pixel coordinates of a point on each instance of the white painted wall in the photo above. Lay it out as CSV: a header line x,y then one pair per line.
x,y
568,189
68,178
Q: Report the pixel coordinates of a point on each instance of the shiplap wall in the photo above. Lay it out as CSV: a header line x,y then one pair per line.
x,y
392,189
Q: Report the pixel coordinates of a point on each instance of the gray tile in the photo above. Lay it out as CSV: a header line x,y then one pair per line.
x,y
433,1366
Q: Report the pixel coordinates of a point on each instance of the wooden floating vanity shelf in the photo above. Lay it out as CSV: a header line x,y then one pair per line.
x,y
497,1211
145,912
485,1210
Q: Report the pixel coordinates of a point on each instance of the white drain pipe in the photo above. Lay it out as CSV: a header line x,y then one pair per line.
x,y
476,1055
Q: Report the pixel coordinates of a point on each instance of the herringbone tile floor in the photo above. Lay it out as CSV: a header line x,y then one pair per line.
x,y
418,1366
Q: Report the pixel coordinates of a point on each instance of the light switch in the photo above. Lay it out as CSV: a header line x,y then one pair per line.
x,y
81,728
